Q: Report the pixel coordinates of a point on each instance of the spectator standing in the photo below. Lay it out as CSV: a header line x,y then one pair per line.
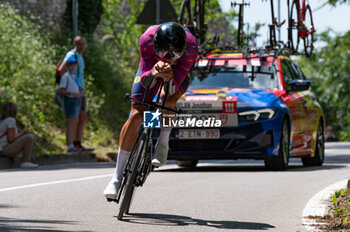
x,y
11,142
72,101
79,48
330,137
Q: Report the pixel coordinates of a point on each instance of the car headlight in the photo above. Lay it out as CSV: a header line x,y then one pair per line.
x,y
255,115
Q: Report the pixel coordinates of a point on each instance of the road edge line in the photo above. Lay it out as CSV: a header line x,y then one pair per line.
x,y
54,182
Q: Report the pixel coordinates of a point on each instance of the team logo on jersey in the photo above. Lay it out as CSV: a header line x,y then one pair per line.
x,y
137,79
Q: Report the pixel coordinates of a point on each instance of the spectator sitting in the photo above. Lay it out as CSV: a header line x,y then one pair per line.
x,y
72,100
11,142
330,137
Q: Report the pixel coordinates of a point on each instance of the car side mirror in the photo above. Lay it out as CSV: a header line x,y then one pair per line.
x,y
300,85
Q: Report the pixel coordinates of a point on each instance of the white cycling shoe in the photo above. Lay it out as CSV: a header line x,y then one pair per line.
x,y
160,155
111,190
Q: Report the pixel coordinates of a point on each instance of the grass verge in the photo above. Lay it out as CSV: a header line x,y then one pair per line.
x,y
338,217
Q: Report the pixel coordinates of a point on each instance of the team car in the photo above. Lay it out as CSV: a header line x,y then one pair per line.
x,y
266,106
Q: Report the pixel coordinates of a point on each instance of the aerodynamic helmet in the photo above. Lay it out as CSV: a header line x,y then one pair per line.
x,y
170,41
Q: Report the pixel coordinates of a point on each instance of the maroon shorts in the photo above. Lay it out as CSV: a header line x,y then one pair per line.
x,y
138,91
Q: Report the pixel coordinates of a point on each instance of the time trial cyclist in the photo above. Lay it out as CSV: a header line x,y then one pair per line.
x,y
168,51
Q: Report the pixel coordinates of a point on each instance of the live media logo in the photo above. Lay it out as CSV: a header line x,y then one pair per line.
x,y
152,119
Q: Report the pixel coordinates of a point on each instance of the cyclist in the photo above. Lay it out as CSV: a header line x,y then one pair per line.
x,y
168,51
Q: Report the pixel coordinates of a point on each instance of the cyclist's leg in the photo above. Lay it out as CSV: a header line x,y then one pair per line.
x,y
129,131
170,103
161,151
172,99
128,134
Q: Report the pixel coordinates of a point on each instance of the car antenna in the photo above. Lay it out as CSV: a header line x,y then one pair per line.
x,y
261,52
244,52
277,54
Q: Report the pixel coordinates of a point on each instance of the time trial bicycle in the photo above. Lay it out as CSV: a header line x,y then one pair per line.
x,y
139,165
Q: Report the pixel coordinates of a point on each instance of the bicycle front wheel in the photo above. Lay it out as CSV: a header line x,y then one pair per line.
x,y
131,175
309,27
294,26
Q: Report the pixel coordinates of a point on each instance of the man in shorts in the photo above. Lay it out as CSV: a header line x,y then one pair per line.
x,y
168,51
78,50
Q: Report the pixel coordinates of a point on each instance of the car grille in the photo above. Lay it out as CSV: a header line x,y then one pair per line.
x,y
203,145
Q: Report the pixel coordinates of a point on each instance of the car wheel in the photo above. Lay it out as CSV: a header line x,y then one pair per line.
x,y
280,162
318,159
187,163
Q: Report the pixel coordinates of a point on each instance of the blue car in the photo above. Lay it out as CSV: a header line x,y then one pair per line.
x,y
266,107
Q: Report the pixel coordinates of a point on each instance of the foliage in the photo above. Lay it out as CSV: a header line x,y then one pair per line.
x,y
119,21
334,2
329,71
28,62
341,208
89,13
26,71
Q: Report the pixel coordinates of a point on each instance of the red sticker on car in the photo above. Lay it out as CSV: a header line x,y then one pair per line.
x,y
229,107
223,118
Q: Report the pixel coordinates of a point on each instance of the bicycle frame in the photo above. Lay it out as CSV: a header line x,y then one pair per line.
x,y
301,26
303,32
195,20
274,25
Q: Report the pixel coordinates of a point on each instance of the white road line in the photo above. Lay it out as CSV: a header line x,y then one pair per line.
x,y
318,204
54,182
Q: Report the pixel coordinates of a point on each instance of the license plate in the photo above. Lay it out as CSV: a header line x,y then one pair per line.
x,y
199,134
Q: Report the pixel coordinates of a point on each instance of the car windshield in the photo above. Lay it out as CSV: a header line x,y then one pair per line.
x,y
240,76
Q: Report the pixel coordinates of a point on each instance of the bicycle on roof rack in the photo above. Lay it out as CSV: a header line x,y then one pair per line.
x,y
301,26
275,25
195,18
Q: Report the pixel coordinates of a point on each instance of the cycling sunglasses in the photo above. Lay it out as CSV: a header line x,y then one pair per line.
x,y
170,55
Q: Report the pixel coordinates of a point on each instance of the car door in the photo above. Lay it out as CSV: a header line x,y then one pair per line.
x,y
296,105
311,107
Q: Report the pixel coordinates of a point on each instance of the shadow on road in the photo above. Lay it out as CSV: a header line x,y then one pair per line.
x,y
243,168
176,220
343,158
337,145
12,224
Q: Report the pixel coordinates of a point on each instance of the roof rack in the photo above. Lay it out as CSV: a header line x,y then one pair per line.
x,y
246,52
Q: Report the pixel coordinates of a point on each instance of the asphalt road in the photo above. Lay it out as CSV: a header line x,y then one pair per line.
x,y
216,196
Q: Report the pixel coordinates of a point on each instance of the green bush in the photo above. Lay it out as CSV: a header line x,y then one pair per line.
x,y
89,13
29,56
329,71
26,73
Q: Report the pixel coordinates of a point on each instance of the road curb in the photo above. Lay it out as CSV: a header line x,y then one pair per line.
x,y
81,157
318,204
